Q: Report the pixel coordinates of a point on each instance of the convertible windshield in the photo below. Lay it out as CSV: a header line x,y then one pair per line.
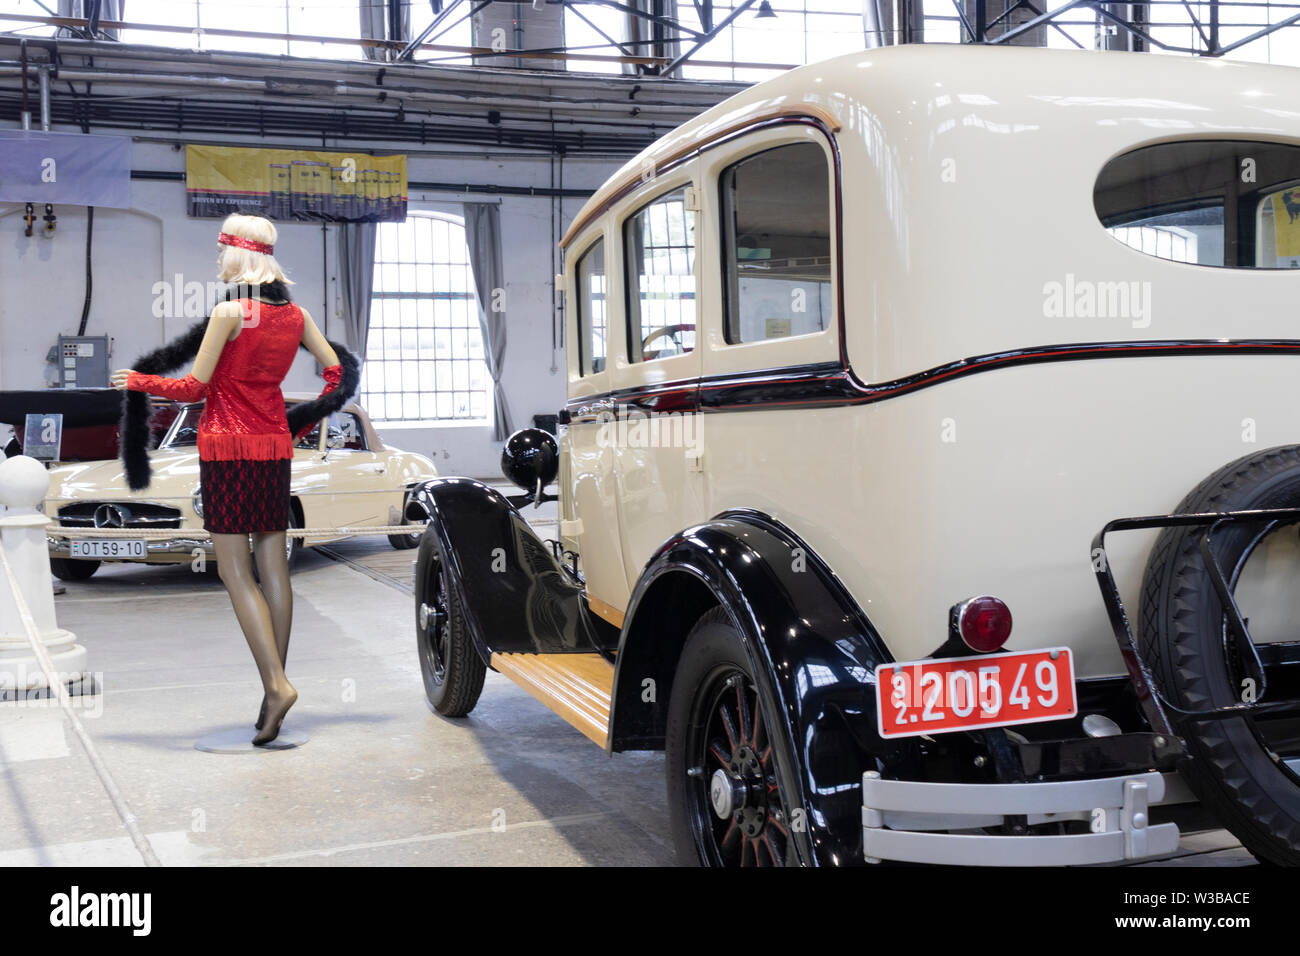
x,y
185,432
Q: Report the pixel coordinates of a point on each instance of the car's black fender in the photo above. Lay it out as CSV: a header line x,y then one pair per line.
x,y
515,596
812,649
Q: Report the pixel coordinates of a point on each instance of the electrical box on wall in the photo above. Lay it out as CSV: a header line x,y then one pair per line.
x,y
82,361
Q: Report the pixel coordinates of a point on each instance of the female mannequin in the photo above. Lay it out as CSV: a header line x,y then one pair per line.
x,y
245,445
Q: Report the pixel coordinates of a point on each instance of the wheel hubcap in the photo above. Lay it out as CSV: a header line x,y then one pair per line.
x,y
726,793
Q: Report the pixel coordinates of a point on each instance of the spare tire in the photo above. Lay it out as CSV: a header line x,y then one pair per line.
x,y
1234,766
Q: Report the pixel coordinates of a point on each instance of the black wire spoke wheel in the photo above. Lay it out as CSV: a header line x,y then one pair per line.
x,y
738,802
450,664
1262,582
432,623
725,798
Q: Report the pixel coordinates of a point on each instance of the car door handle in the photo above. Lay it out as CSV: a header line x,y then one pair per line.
x,y
378,469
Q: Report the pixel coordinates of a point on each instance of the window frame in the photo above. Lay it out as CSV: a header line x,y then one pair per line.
x,y
810,348
580,301
1241,206
471,296
683,182
727,262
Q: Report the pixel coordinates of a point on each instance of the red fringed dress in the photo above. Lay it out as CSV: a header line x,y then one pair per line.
x,y
245,448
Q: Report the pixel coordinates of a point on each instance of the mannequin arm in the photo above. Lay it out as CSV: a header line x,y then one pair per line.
x,y
324,353
316,343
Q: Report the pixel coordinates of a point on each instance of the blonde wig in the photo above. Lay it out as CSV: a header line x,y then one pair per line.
x,y
244,266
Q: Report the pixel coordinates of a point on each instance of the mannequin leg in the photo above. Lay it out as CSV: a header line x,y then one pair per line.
x,y
235,565
273,569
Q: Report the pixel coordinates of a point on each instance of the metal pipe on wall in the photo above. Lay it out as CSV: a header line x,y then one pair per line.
x,y
26,113
875,32
332,90
44,73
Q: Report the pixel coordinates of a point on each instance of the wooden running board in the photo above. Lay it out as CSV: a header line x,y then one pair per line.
x,y
575,686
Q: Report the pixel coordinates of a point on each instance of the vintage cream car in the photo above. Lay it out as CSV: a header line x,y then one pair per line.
x,y
869,359
342,476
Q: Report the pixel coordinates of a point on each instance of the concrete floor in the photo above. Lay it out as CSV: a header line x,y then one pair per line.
x,y
382,779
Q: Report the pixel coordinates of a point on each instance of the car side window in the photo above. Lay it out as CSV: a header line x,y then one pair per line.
x,y
659,244
311,440
345,432
776,237
592,319
1228,203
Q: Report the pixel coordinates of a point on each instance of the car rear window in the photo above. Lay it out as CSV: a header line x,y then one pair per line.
x,y
1225,203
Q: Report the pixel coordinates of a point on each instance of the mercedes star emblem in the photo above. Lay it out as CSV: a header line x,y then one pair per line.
x,y
111,516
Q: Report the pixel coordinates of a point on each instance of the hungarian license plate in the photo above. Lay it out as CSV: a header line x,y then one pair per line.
x,y
106,548
971,693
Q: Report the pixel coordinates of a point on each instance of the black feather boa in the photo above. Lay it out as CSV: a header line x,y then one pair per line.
x,y
135,432
303,414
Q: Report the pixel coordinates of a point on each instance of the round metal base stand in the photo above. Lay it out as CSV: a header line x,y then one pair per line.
x,y
240,741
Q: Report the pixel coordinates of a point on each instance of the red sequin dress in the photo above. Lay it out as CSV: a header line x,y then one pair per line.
x,y
245,448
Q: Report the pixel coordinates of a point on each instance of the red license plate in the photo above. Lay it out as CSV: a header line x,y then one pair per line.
x,y
970,693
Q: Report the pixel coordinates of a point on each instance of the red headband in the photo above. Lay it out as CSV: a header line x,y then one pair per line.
x,y
226,239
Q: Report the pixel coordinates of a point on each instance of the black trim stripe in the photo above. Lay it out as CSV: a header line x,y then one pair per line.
x,y
829,385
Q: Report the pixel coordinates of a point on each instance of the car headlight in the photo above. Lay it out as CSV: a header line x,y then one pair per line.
x,y
196,499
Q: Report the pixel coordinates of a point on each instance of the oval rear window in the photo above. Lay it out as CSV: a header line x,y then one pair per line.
x,y
1227,203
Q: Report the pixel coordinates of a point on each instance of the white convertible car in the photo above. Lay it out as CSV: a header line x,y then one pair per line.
x,y
343,476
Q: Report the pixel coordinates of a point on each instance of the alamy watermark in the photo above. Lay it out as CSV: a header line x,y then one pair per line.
x,y
637,429
27,687
1077,298
176,298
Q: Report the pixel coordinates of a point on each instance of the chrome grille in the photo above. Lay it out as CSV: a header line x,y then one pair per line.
x,y
118,514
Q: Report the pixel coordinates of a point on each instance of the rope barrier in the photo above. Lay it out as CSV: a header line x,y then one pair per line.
x,y
162,534
123,809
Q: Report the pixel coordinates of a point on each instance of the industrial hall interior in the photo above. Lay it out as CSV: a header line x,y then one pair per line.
x,y
650,433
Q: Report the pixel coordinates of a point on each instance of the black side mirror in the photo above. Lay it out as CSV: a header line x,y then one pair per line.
x,y
531,459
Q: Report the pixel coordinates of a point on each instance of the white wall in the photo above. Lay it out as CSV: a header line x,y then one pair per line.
x,y
42,284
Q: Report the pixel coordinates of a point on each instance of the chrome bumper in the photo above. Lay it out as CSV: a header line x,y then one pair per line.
x,y
900,819
61,547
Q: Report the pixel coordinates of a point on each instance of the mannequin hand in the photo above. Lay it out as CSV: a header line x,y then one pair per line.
x,y
118,379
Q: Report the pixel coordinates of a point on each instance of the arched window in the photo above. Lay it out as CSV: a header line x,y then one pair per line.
x,y
424,352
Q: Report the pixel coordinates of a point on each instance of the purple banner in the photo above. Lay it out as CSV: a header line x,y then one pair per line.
x,y
67,168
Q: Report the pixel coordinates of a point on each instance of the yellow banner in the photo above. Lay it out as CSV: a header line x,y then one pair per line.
x,y
1286,221
289,184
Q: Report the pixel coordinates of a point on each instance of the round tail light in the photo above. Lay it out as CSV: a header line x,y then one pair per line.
x,y
984,623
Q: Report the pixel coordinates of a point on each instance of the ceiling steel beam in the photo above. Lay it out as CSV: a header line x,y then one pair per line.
x,y
686,55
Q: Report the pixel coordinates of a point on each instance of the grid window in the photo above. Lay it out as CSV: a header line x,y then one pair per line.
x,y
424,355
798,32
660,244
592,323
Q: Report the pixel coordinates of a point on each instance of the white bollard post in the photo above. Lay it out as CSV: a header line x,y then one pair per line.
x,y
23,483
